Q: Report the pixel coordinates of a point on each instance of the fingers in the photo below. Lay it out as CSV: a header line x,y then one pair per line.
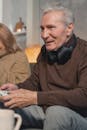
x,y
14,103
4,87
11,103
19,98
12,99
8,86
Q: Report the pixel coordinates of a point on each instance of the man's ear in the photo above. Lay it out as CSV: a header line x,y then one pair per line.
x,y
70,29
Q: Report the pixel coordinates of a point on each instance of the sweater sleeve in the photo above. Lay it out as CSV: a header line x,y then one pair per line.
x,y
20,70
31,83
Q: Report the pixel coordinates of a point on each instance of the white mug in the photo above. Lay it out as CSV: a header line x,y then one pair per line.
x,y
7,120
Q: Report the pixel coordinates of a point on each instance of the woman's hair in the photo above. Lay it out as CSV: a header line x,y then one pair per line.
x,y
8,39
68,15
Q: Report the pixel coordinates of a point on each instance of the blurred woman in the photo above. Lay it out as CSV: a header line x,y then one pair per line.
x,y
14,66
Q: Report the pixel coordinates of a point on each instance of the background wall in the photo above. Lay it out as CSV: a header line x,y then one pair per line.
x,y
33,19
80,9
12,10
1,10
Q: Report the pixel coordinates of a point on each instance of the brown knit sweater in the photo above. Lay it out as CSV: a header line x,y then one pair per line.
x,y
64,85
14,67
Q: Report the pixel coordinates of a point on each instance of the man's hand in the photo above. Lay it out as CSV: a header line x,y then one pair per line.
x,y
8,87
20,98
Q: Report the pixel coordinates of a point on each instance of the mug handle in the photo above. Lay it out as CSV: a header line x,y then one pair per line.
x,y
19,121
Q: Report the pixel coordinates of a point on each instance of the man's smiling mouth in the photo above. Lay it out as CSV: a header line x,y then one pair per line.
x,y
49,42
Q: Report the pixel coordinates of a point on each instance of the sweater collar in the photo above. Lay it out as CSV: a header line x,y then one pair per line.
x,y
3,53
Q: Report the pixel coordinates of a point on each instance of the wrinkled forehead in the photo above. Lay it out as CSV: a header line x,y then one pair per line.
x,y
53,11
57,16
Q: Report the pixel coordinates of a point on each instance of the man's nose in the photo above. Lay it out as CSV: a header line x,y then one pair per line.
x,y
45,34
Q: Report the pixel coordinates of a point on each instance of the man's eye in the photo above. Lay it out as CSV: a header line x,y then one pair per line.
x,y
51,27
42,29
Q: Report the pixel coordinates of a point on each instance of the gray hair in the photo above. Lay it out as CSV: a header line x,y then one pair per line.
x,y
68,14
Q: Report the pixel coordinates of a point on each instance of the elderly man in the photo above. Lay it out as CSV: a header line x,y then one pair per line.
x,y
55,96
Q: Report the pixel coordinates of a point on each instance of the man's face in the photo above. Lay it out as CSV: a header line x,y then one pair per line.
x,y
53,30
